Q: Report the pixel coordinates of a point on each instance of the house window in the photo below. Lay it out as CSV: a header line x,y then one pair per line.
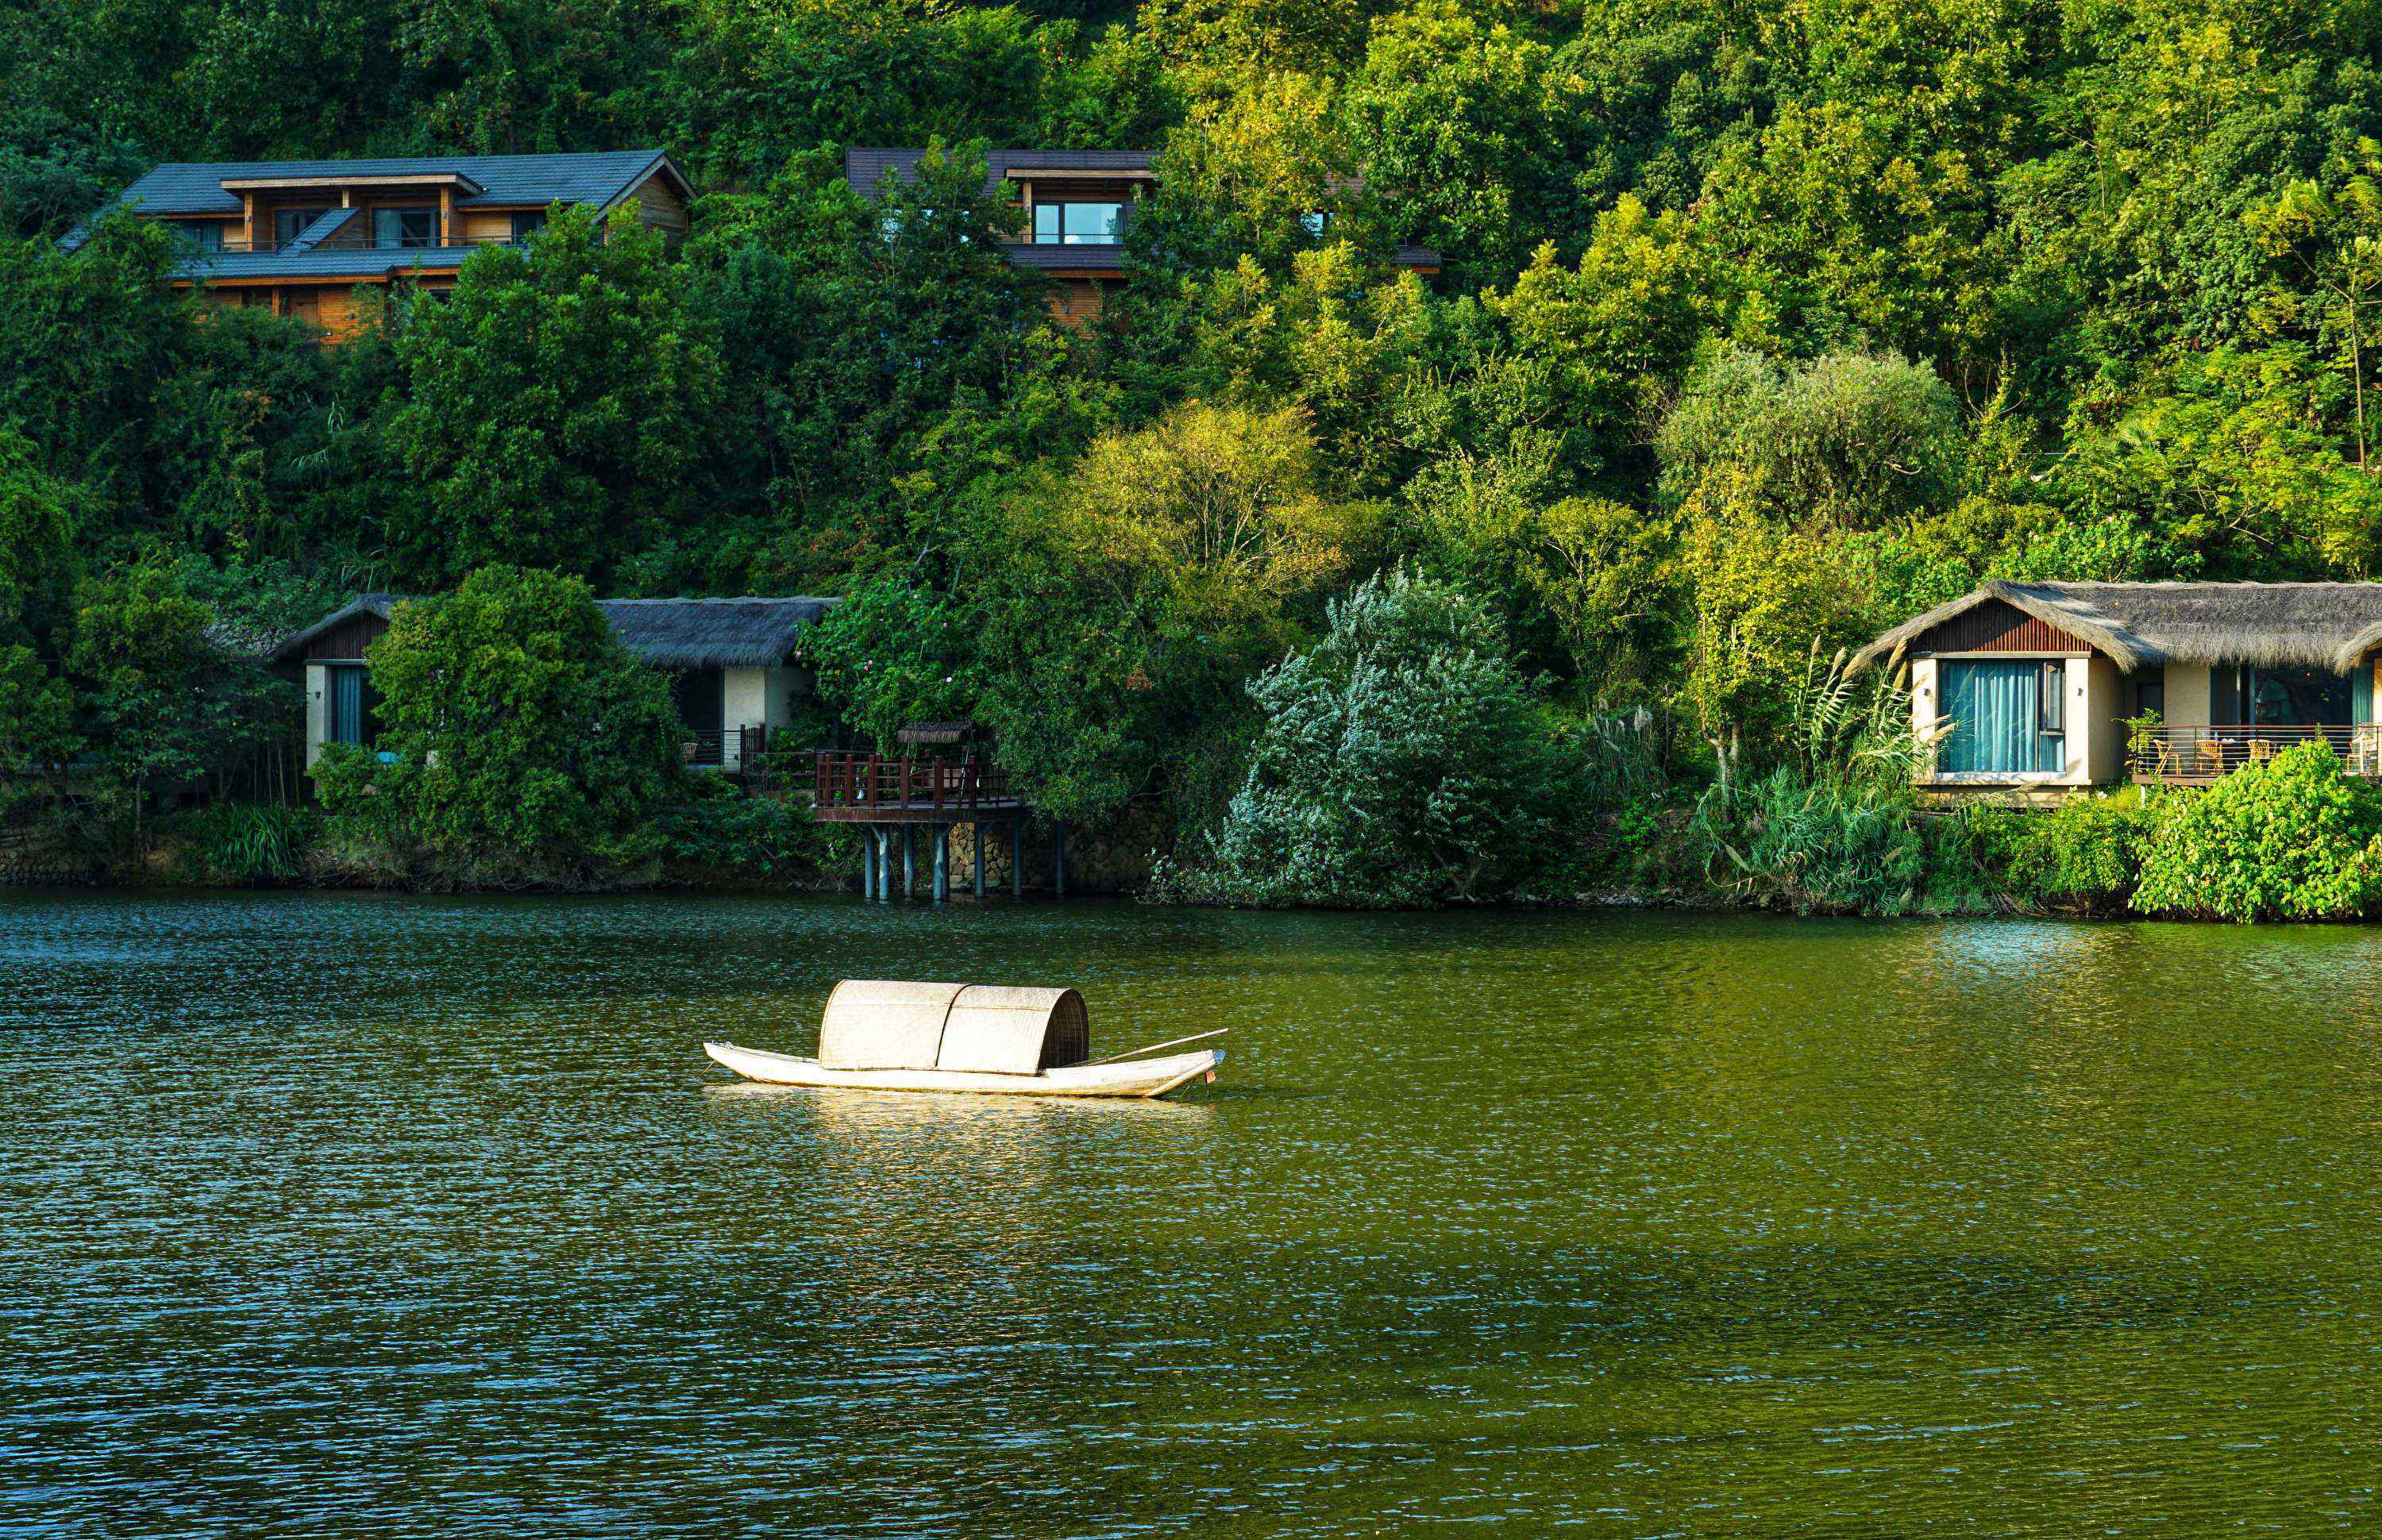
x,y
1078,224
527,225
1317,220
205,235
289,223
405,227
2002,716
350,705
2149,697
2296,698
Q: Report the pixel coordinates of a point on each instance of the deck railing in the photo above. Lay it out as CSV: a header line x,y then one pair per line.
x,y
2194,752
734,749
873,780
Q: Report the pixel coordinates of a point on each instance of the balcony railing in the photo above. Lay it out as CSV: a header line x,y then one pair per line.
x,y
731,749
870,782
2189,751
360,241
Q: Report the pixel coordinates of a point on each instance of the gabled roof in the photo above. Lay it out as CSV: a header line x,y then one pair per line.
x,y
667,633
2278,625
602,178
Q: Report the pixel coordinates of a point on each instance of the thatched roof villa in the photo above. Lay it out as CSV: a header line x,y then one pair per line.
x,y
2039,682
733,659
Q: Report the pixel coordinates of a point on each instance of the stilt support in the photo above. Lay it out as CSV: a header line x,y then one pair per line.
x,y
868,862
978,829
884,864
942,862
909,861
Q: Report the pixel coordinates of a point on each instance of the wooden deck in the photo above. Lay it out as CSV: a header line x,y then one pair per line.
x,y
870,788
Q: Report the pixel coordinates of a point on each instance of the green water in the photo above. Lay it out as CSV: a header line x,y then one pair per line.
x,y
347,1215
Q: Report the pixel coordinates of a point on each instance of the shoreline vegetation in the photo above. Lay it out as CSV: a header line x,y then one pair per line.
x,y
1280,570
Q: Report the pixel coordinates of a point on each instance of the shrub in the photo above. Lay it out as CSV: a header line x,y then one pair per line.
x,y
524,745
1812,845
2296,839
1402,761
716,824
2086,852
234,843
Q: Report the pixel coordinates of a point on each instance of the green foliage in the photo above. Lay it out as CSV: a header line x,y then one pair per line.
x,y
247,844
2084,853
1402,761
1812,846
524,745
715,827
555,408
2295,839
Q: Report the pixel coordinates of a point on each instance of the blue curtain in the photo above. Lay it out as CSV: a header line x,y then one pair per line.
x,y
345,713
1997,708
2361,692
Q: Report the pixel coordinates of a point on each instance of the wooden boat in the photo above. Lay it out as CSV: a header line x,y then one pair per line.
x,y
879,1034
1146,1077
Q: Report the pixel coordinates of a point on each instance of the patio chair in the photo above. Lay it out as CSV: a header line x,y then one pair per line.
x,y
2211,760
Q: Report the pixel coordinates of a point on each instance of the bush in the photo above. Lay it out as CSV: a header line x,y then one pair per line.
x,y
2085,854
524,745
718,826
2296,839
1813,846
1402,761
232,843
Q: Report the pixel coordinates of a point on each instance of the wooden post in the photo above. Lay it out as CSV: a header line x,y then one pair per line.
x,y
942,862
445,215
1059,860
868,862
1017,856
884,862
978,827
909,857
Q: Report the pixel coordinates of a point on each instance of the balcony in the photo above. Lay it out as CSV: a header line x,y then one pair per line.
x,y
870,788
2183,754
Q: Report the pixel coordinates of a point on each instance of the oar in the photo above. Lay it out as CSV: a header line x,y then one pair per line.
x,y
1153,1047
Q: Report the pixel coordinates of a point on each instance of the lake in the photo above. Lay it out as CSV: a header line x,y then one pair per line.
x,y
338,1215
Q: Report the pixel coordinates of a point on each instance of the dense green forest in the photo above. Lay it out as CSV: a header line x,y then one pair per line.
x,y
1761,322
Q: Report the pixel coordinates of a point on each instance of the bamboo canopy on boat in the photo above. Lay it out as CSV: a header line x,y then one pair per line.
x,y
987,1029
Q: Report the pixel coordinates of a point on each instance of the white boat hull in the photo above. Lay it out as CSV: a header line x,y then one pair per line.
x,y
1143,1077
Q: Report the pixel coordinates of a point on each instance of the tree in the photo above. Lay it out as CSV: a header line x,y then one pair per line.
x,y
556,409
525,744
2295,839
1402,761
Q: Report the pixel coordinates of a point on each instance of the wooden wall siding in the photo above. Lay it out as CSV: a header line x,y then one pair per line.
x,y
1077,302
1995,627
658,206
348,640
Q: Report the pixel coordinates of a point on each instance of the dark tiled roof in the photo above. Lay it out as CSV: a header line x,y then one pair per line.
x,y
1102,257
196,187
865,169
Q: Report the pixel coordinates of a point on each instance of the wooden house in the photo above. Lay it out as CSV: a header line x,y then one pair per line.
x,y
2042,689
1073,208
732,662
327,241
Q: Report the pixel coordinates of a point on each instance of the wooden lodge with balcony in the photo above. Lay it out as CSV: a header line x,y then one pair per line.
x,y
2039,690
735,666
327,241
1073,210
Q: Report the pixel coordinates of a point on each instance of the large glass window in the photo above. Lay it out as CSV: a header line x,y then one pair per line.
x,y
527,225
405,227
289,223
2298,698
2005,717
350,706
1078,224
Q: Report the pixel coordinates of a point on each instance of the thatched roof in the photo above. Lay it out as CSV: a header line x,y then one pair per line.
x,y
712,633
667,633
2314,625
